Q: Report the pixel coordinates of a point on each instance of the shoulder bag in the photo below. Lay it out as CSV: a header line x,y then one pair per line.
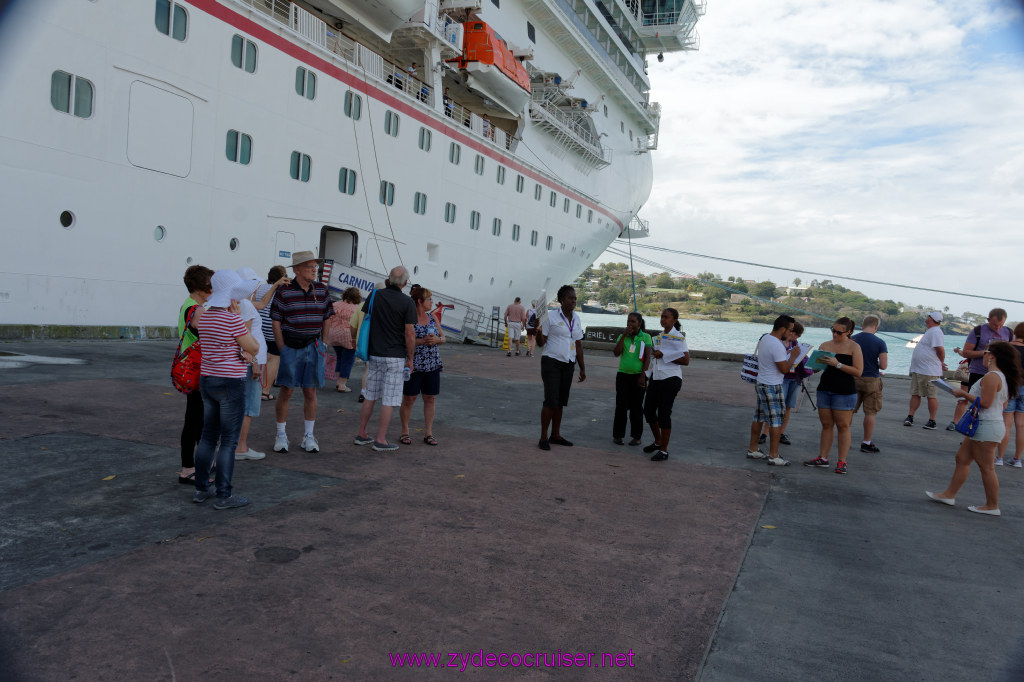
x,y
363,342
963,371
749,369
968,423
185,368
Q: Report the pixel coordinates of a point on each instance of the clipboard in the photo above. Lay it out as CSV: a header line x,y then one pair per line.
x,y
813,362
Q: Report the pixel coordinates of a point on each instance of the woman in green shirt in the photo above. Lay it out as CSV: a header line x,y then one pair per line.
x,y
633,350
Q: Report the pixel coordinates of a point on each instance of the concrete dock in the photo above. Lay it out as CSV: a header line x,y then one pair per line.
x,y
708,566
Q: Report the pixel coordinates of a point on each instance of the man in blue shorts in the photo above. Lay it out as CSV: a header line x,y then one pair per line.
x,y
299,314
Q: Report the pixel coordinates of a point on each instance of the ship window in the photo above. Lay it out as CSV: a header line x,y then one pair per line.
x,y
531,32
474,220
243,53
387,192
353,105
549,242
71,94
300,166
631,135
536,192
455,153
419,203
553,199
496,227
579,210
238,147
562,247
606,111
391,123
496,3
533,237
590,215
519,183
501,175
234,244
347,181
171,19
622,127
478,165
565,205
424,139
305,82
515,233
449,212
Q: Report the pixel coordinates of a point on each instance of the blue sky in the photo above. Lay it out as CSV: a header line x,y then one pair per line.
x,y
875,139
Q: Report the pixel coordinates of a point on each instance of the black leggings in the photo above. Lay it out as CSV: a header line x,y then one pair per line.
x,y
629,401
661,395
192,431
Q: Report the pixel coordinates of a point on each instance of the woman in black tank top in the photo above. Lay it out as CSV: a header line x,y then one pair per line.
x,y
837,393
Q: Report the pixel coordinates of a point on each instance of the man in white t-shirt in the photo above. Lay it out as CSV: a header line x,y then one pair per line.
x,y
560,335
772,363
927,363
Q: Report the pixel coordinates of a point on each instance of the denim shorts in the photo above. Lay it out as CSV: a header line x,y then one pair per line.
x,y
1016,404
253,394
827,400
791,392
302,367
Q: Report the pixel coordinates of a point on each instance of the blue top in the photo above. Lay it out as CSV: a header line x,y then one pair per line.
x,y
871,346
426,358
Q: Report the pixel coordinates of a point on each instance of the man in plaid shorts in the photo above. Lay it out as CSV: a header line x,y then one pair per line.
x,y
391,346
772,363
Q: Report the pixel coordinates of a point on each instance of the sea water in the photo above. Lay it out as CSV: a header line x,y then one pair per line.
x,y
741,337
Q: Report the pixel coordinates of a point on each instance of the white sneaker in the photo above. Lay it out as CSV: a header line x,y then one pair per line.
x,y
756,454
249,454
1015,463
999,461
281,443
778,462
309,443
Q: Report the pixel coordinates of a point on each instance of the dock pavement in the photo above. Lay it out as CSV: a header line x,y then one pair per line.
x,y
708,566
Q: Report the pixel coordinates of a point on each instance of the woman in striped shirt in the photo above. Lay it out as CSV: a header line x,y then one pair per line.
x,y
228,349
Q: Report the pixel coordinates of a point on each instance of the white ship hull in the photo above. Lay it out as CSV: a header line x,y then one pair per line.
x,y
145,183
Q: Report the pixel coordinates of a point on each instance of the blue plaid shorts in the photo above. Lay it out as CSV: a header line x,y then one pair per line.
x,y
771,404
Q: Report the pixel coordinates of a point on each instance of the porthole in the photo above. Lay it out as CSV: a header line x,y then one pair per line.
x,y
446,274
471,279
159,232
67,219
415,269
233,244
510,284
492,281
188,261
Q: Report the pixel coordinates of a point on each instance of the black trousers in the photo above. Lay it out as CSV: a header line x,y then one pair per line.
x,y
660,397
629,401
192,431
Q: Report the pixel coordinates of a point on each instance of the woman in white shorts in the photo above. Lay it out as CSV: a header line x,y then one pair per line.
x,y
1003,377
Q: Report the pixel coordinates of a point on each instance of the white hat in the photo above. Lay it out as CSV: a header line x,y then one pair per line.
x,y
937,316
250,282
300,257
247,273
222,282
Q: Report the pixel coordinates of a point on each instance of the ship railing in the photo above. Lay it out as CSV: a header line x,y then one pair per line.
x,y
440,25
460,115
569,123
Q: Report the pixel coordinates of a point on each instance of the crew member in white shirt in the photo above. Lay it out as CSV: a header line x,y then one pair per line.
x,y
560,335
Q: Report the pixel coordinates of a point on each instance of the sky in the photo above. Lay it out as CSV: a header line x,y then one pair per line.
x,y
873,139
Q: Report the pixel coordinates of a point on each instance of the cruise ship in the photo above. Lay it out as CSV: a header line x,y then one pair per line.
x,y
493,147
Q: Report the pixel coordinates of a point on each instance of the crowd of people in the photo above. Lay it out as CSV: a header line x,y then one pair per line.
x,y
242,364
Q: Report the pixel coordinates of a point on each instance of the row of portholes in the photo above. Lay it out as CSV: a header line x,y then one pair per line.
x,y
67,221
416,271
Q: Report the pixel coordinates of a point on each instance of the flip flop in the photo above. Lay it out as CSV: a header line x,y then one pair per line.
x,y
187,480
267,396
405,439
430,440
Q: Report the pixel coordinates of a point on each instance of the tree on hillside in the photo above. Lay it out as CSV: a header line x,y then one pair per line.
x,y
714,294
665,281
764,289
740,286
796,282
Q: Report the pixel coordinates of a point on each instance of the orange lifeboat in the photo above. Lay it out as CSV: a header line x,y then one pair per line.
x,y
492,67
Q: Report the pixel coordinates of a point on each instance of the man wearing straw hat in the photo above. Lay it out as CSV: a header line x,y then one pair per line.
x,y
299,314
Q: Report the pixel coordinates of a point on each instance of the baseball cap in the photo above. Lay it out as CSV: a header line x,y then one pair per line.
x,y
936,315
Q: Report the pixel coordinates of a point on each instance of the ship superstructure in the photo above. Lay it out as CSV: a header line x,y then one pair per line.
x,y
493,147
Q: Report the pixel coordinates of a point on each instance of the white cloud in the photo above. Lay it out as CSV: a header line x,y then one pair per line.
x,y
871,139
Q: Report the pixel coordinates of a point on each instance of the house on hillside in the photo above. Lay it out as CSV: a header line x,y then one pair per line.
x,y
738,298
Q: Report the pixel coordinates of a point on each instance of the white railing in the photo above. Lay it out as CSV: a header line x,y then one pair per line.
x,y
569,124
440,25
460,115
310,27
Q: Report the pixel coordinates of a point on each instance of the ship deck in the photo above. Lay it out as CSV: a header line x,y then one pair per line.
x,y
708,566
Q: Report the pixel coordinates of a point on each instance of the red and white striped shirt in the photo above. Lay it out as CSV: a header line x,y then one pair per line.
x,y
218,329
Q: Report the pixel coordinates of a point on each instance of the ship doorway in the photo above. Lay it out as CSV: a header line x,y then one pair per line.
x,y
338,245
285,245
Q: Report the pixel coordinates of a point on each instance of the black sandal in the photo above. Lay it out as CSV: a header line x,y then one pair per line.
x,y
430,440
405,439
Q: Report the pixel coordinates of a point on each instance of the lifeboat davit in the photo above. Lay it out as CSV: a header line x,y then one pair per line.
x,y
492,68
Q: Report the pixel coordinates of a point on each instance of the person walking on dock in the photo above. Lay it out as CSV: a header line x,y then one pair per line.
x,y
927,362
515,317
869,383
300,314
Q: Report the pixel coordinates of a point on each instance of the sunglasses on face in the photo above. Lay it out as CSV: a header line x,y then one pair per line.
x,y
838,331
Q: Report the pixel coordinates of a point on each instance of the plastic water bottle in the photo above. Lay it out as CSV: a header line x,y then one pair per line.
x,y
406,373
